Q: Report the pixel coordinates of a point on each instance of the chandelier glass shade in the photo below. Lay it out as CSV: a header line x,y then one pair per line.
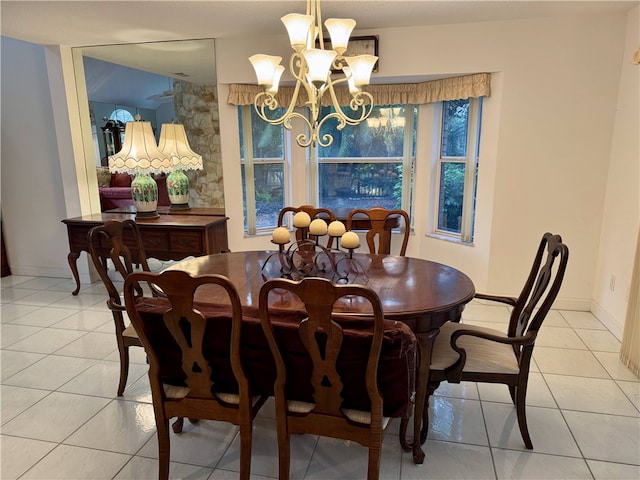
x,y
317,69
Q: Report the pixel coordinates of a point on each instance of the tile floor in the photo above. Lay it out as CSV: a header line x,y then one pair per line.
x,y
61,418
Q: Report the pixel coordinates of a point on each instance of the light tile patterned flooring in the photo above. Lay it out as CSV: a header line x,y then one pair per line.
x,y
61,418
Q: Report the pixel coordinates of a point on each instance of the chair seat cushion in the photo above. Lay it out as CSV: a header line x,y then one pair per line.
x,y
357,416
177,392
130,332
483,356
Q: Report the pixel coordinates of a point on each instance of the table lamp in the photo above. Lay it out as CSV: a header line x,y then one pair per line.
x,y
140,156
174,144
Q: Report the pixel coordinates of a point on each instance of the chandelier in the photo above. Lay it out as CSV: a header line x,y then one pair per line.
x,y
390,121
312,64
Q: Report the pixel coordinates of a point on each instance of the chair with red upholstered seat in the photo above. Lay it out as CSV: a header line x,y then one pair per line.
x,y
323,401
195,364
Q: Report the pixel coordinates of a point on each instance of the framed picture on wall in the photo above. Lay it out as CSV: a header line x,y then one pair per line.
x,y
360,46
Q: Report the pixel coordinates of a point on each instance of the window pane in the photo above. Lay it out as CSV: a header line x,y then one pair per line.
x,y
268,140
382,135
454,128
267,166
451,194
269,188
361,185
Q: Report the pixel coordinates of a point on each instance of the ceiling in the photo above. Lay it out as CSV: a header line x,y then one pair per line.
x,y
83,23
119,24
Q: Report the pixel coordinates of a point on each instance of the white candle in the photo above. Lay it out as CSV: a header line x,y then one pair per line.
x,y
318,227
336,228
281,236
301,220
350,240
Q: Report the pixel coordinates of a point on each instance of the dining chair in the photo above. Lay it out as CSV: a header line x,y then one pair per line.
x,y
479,354
317,400
313,212
195,363
106,242
380,220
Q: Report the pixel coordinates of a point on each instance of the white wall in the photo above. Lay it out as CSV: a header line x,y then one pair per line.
x,y
622,200
547,130
33,197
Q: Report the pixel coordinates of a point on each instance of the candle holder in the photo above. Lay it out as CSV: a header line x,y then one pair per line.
x,y
349,270
306,257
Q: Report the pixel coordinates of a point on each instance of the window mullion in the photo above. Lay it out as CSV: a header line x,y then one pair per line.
x,y
249,177
407,158
470,169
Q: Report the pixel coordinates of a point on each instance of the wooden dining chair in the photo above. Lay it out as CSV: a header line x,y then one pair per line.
x,y
323,213
106,242
315,401
381,221
479,354
195,364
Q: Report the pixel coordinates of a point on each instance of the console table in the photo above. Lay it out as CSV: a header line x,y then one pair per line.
x,y
169,237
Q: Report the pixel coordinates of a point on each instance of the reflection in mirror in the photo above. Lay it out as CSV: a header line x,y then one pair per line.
x,y
162,82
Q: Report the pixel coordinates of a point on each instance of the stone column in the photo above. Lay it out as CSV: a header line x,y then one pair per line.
x,y
196,107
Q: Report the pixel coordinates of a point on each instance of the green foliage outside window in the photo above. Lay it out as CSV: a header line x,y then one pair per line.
x,y
452,174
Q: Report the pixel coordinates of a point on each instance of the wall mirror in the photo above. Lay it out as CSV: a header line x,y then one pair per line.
x,y
158,81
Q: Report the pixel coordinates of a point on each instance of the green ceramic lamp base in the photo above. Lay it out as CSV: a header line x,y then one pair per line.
x,y
144,192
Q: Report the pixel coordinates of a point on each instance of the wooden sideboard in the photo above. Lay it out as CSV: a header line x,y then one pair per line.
x,y
195,232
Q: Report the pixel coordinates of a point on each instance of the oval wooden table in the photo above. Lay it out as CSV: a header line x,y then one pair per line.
x,y
420,293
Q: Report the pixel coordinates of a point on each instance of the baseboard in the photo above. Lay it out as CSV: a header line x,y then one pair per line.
x,y
607,319
49,272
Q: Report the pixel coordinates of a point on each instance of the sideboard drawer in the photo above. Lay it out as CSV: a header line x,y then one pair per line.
x,y
78,237
154,240
186,241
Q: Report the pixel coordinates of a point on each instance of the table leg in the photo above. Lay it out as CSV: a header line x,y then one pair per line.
x,y
72,258
425,342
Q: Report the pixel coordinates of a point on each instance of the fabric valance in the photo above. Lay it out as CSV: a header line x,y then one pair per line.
x,y
453,88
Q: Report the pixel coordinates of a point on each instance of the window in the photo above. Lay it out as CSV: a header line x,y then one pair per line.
x,y
370,164
264,170
457,168
121,115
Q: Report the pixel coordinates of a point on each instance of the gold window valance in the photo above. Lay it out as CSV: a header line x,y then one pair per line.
x,y
453,88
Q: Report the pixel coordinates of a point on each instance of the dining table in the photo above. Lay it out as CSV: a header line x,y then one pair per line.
x,y
421,293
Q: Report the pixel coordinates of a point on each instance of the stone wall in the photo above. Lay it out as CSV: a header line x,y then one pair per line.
x,y
196,108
